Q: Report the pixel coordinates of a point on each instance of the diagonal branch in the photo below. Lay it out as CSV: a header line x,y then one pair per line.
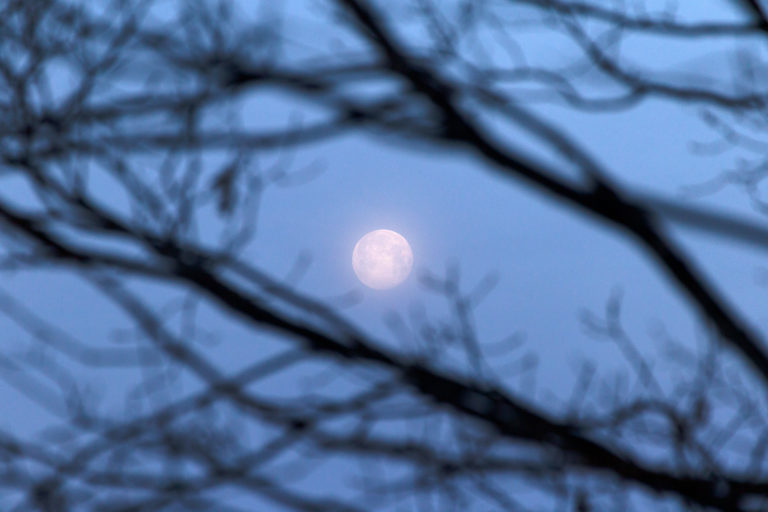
x,y
603,200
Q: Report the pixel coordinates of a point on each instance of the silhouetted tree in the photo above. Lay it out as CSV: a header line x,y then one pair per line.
x,y
120,135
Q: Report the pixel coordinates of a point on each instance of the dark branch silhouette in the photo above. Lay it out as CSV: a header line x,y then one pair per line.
x,y
121,132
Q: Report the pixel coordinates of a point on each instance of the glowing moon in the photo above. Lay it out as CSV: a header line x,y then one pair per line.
x,y
382,259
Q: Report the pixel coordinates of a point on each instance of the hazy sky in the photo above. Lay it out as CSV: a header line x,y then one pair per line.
x,y
551,261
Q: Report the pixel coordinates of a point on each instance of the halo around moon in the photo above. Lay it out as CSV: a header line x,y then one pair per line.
x,y
382,259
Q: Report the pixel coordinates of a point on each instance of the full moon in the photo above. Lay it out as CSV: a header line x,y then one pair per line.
x,y
382,259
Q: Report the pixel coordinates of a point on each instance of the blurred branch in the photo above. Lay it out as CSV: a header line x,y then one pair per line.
x,y
153,110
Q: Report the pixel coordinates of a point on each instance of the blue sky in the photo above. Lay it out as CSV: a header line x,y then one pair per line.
x,y
551,262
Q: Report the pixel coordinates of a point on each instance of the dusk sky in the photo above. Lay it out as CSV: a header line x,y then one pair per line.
x,y
538,267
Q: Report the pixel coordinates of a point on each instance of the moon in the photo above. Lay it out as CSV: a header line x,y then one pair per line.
x,y
382,259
